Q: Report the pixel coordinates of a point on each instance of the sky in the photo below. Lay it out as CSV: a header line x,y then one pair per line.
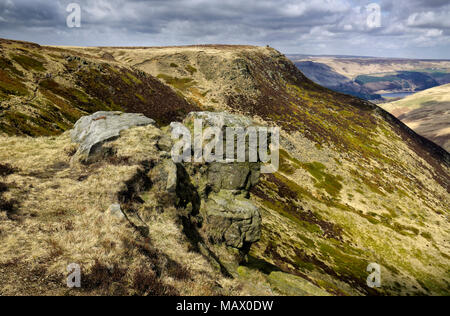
x,y
406,28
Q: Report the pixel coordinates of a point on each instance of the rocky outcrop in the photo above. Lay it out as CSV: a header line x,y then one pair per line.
x,y
218,119
223,211
233,220
92,131
229,216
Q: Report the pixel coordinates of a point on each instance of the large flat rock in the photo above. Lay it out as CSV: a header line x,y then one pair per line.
x,y
92,131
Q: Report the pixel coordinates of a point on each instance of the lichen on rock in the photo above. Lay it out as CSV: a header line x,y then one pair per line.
x,y
230,218
234,221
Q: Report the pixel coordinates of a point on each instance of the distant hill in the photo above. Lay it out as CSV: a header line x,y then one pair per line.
x,y
369,77
427,112
353,67
327,77
400,81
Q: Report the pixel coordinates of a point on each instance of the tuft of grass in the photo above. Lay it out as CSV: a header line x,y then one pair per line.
x,y
6,170
102,277
192,70
79,99
55,249
133,79
11,86
59,109
315,169
286,167
405,230
3,188
29,63
330,183
7,64
177,271
181,84
10,206
427,236
14,123
140,97
147,283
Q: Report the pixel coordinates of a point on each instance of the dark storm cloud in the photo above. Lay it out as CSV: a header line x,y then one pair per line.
x,y
33,14
409,27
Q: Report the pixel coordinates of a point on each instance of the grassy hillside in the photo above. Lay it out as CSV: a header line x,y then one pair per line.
x,y
44,91
421,99
402,81
355,185
427,112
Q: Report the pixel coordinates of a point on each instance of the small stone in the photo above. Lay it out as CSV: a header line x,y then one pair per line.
x,y
116,211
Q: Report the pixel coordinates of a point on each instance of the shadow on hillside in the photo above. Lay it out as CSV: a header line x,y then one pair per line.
x,y
189,198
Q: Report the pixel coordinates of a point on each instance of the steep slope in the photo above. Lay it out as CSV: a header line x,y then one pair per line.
x,y
427,113
355,185
44,91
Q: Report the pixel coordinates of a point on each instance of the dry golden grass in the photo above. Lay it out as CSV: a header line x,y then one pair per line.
x,y
63,219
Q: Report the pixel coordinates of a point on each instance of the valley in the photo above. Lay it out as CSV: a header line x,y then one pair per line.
x,y
369,77
355,185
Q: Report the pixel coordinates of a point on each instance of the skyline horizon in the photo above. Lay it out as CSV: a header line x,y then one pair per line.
x,y
288,54
413,29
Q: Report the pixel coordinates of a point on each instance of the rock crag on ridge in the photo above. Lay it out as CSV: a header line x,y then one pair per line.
x,y
230,217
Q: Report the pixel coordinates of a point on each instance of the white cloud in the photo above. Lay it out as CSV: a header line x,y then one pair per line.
x,y
348,27
319,26
430,19
434,33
